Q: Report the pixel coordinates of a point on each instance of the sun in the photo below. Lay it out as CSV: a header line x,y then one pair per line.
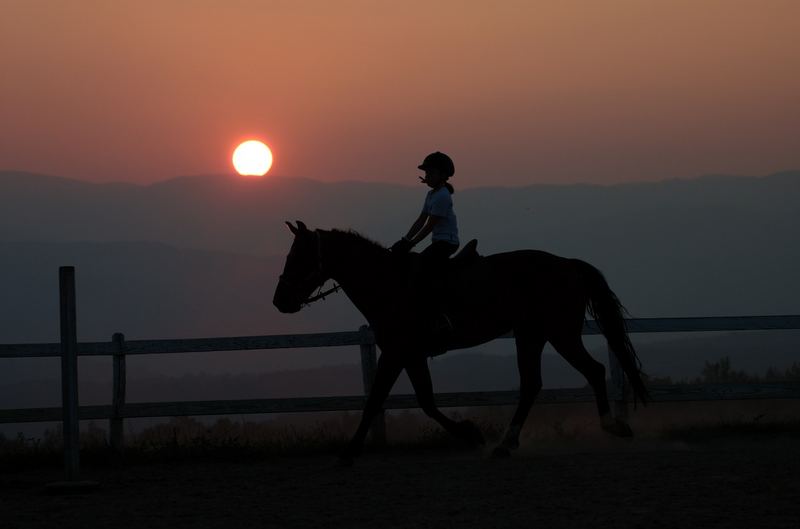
x,y
252,158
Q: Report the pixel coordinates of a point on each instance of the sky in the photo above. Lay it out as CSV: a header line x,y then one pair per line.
x,y
517,92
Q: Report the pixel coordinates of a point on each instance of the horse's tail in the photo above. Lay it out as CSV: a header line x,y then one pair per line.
x,y
608,313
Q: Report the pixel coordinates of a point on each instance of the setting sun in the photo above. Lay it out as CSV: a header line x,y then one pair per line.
x,y
252,158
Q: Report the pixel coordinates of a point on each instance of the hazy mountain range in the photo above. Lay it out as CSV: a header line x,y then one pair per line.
x,y
199,256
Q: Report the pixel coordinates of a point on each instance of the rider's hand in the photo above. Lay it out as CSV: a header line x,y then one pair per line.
x,y
401,246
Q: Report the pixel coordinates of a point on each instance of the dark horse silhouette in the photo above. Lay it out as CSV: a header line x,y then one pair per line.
x,y
539,296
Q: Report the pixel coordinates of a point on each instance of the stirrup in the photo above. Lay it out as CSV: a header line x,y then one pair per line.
x,y
442,324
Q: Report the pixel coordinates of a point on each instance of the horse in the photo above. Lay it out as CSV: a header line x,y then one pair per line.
x,y
539,296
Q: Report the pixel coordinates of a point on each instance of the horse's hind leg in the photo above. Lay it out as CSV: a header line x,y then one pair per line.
x,y
529,363
420,376
571,347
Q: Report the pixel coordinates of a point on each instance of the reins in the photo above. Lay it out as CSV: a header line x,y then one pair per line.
x,y
320,293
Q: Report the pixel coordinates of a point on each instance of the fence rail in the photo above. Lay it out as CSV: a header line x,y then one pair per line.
x,y
118,348
193,345
365,336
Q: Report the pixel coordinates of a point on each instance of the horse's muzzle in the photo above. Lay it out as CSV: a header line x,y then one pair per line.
x,y
287,307
284,298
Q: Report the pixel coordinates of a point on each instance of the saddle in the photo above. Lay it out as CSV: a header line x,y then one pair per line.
x,y
466,256
462,259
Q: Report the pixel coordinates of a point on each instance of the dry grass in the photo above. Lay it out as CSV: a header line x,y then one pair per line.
x,y
187,438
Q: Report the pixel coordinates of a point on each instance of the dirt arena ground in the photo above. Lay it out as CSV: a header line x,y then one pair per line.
x,y
736,481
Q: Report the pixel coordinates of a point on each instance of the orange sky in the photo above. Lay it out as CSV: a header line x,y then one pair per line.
x,y
517,92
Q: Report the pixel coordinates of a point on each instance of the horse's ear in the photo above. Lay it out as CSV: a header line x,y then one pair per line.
x,y
292,228
301,225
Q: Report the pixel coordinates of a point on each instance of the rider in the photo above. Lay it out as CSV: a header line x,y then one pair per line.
x,y
437,217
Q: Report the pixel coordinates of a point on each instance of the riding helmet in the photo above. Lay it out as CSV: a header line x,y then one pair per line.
x,y
439,160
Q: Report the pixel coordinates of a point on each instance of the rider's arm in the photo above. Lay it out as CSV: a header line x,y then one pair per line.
x,y
418,224
430,222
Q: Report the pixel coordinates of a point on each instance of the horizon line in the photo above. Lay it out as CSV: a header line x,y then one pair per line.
x,y
265,179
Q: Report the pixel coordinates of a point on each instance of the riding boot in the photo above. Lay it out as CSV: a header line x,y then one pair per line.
x,y
434,325
440,321
426,294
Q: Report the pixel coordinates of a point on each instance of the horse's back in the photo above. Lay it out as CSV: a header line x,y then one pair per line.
x,y
527,254
517,289
526,275
522,263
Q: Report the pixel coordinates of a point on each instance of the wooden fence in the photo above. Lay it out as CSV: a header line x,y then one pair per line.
x,y
119,348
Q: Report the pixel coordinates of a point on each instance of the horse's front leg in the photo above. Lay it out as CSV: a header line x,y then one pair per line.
x,y
388,369
529,362
420,376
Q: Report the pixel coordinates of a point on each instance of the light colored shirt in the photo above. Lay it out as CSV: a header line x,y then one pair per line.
x,y
439,203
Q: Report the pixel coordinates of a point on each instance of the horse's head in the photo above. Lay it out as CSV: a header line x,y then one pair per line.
x,y
303,270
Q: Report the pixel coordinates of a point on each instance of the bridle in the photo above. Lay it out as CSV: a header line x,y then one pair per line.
x,y
315,275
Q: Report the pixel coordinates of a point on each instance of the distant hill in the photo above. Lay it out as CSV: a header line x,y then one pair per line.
x,y
713,245
246,216
205,212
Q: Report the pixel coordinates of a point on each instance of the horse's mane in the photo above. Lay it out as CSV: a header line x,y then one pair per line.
x,y
355,238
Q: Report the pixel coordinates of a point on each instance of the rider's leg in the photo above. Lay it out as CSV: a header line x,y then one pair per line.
x,y
428,287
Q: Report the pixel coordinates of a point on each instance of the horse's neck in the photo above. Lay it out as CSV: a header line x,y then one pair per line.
x,y
362,272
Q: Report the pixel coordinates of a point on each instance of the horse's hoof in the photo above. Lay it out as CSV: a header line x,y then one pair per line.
x,y
472,433
501,452
618,428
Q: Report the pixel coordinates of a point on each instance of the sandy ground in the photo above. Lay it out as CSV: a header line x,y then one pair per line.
x,y
733,482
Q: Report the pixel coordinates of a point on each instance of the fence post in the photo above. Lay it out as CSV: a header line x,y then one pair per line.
x,y
116,425
619,385
369,364
69,372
